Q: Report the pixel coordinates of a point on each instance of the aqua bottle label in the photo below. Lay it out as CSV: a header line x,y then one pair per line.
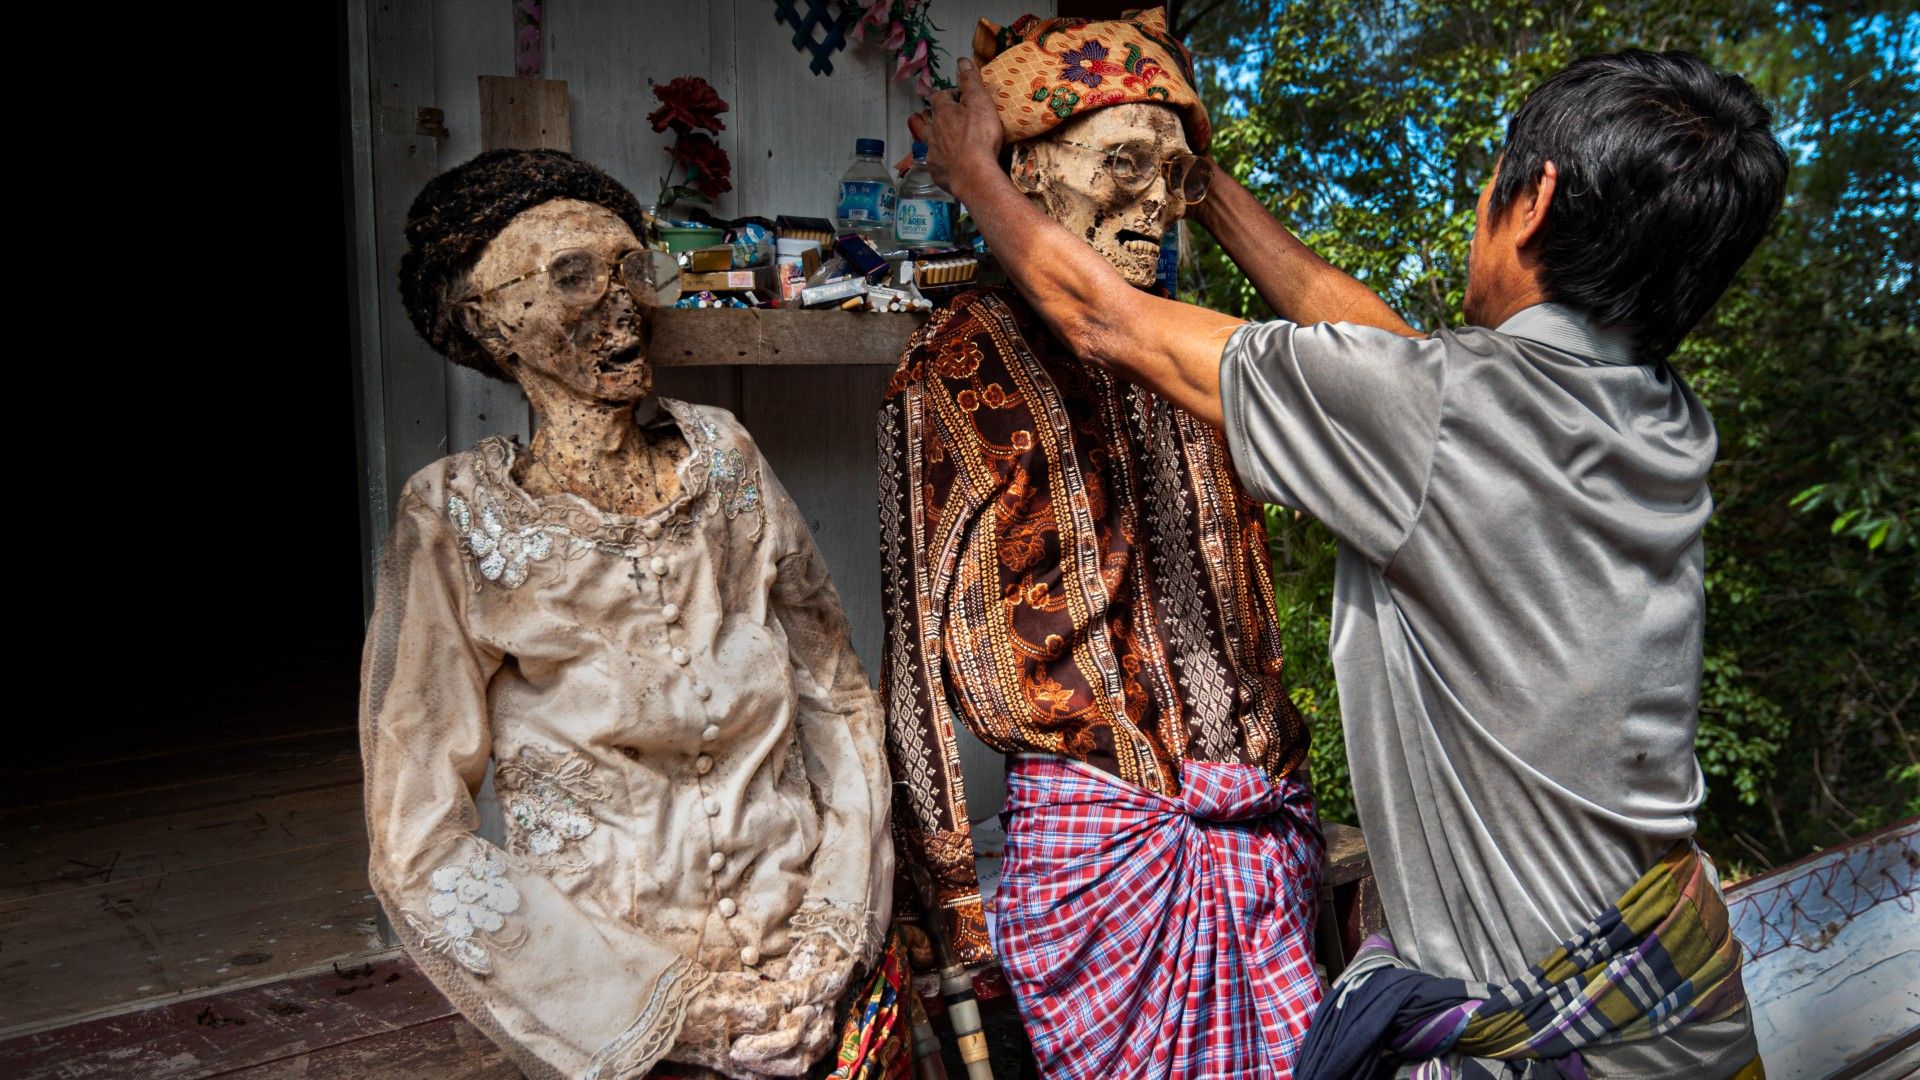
x,y
924,221
866,200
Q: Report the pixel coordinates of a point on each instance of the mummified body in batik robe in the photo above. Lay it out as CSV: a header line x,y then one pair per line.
x,y
1072,570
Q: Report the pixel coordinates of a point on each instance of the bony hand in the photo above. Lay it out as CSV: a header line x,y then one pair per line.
x,y
965,132
815,971
790,1048
745,1024
739,1025
810,978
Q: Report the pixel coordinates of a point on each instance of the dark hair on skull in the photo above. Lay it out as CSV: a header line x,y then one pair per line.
x,y
459,213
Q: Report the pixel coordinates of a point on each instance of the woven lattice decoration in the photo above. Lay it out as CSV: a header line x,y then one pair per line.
x,y
821,31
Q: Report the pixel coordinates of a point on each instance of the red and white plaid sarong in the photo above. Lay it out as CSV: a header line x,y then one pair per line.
x,y
1159,936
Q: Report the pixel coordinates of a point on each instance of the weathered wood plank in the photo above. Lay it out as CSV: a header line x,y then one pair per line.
x,y
68,953
367,298
473,39
815,425
208,1034
524,114
42,861
693,337
793,131
1346,853
609,54
444,1049
406,154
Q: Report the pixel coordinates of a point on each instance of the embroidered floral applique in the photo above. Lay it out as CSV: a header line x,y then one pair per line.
x,y
547,798
504,552
735,487
470,902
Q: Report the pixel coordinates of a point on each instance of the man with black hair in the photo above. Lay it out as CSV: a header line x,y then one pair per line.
x,y
1518,609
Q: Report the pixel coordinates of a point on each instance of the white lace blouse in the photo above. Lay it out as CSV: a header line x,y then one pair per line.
x,y
689,756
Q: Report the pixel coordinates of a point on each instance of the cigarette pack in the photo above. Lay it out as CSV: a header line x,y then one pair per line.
x,y
833,292
948,270
760,278
706,260
787,227
861,255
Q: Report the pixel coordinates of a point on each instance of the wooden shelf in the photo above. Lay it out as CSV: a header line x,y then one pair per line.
x,y
694,337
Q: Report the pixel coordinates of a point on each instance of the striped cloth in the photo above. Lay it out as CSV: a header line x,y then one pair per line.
x,y
1662,956
1148,935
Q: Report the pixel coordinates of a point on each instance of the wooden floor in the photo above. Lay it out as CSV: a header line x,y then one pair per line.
x,y
377,1017
235,855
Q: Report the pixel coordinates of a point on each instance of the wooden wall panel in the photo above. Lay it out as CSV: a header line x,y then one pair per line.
x,y
400,62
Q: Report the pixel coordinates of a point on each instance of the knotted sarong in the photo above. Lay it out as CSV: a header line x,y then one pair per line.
x,y
1158,936
1663,955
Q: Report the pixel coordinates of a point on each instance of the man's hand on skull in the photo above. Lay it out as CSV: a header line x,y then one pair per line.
x,y
964,135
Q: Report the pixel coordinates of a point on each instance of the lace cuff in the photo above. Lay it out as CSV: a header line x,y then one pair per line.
x,y
849,925
638,1048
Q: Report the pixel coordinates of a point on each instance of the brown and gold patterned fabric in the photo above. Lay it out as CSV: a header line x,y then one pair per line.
x,y
1070,568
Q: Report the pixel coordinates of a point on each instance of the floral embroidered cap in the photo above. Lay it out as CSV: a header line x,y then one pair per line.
x,y
1044,71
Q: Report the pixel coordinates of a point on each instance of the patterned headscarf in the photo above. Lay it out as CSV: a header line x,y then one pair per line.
x,y
1044,71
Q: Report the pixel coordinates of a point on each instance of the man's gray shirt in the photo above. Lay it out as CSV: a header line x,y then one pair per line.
x,y
1517,619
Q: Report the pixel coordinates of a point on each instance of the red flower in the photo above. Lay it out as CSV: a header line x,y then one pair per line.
x,y
687,103
708,168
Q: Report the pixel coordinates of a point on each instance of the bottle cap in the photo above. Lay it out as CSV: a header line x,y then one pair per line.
x,y
875,147
919,151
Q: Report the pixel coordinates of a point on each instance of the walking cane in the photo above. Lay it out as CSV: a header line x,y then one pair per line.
x,y
956,986
926,1044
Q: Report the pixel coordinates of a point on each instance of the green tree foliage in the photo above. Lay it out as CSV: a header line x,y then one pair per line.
x,y
1369,128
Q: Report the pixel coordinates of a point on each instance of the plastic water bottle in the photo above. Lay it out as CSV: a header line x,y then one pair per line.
x,y
923,218
866,196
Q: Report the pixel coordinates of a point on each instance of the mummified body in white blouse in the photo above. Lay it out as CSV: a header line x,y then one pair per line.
x,y
628,618
688,751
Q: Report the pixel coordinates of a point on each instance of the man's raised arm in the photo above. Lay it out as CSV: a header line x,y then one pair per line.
x,y
1171,348
1297,284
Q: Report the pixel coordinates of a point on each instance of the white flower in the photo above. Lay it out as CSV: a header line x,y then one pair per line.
x,y
549,817
470,899
503,553
548,800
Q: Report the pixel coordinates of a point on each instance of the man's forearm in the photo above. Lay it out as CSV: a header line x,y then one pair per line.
x,y
1064,278
1297,284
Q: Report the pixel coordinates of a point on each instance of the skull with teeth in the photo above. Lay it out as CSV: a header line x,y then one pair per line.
x,y
588,346
1078,174
560,300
